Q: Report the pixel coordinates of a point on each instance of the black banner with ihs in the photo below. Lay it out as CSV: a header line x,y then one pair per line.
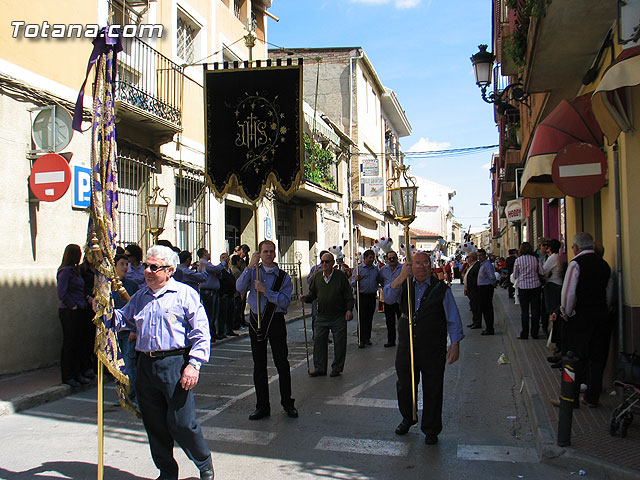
x,y
253,128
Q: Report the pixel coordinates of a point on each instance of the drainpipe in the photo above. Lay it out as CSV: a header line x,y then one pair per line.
x,y
616,170
350,199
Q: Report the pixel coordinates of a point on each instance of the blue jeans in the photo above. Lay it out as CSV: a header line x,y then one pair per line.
x,y
128,350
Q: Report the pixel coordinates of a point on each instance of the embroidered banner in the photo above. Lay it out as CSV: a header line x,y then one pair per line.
x,y
253,127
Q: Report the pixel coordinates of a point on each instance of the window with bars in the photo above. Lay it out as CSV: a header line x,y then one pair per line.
x,y
237,4
134,175
192,207
187,32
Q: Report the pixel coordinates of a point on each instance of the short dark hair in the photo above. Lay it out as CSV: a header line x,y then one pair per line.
x,y
482,251
263,242
165,243
120,256
554,245
245,248
368,252
184,255
200,252
134,251
119,250
513,251
235,259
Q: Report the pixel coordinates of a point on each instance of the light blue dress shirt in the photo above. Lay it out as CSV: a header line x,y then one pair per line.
x,y
452,314
486,274
369,278
169,319
282,298
136,274
212,282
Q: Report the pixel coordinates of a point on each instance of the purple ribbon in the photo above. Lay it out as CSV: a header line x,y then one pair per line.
x,y
101,44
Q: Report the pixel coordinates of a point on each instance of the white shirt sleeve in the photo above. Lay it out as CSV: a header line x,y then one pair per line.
x,y
568,295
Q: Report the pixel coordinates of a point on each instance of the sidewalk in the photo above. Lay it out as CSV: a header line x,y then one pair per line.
x,y
592,448
30,389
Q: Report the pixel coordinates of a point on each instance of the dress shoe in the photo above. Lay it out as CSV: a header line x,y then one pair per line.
x,y
83,380
554,358
404,426
260,413
470,325
473,327
334,373
556,365
583,401
430,439
361,345
207,474
317,373
90,374
522,337
486,332
535,337
291,411
368,342
72,382
390,344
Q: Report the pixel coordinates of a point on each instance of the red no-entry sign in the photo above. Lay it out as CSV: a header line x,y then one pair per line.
x,y
580,170
50,177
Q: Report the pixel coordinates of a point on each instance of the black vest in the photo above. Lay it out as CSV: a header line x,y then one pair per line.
x,y
591,291
430,321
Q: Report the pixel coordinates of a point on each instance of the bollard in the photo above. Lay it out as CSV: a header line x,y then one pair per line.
x,y
569,397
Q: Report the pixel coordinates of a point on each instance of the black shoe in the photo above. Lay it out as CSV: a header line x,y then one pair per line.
x,y
522,337
472,327
404,426
390,344
486,332
291,411
90,374
83,380
361,345
554,358
335,373
557,364
368,342
72,382
317,373
535,337
430,439
260,413
207,474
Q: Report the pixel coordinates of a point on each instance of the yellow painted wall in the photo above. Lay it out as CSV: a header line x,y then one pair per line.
x,y
61,60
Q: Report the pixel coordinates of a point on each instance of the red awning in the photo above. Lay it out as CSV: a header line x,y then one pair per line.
x,y
611,100
572,121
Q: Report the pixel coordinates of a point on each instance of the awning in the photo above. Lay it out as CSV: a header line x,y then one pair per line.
x,y
572,121
611,100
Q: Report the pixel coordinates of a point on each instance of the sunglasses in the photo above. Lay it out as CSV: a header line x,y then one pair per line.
x,y
155,268
326,261
392,259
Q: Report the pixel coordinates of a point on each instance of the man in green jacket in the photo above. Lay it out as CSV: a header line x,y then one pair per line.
x,y
335,305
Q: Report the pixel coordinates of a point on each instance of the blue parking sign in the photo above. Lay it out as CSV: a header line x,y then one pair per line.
x,y
81,187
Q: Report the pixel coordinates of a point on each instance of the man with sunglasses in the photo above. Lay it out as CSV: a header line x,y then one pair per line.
x,y
335,304
435,315
388,274
173,341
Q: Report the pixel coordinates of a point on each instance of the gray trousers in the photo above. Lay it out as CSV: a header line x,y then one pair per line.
x,y
338,326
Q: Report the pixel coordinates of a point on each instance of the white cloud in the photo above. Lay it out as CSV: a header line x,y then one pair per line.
x,y
486,166
426,145
398,3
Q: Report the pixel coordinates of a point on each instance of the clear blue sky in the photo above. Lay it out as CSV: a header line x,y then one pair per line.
x,y
421,50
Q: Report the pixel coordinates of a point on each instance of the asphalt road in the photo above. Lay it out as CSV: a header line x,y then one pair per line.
x,y
345,429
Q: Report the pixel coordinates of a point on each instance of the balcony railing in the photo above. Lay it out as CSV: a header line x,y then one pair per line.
x,y
149,81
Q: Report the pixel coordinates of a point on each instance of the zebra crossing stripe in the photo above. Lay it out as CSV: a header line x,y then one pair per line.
x,y
364,446
236,435
497,453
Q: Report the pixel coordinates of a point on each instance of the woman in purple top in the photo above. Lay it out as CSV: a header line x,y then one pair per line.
x,y
72,303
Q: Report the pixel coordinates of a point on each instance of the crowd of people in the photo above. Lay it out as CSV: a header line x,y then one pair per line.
x,y
170,310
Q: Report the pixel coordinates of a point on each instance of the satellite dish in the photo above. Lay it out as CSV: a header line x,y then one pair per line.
x,y
51,129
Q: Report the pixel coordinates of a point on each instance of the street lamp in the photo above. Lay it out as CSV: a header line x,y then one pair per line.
x,y
404,200
483,67
156,212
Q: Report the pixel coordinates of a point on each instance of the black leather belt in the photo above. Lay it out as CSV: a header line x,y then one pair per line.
x,y
167,353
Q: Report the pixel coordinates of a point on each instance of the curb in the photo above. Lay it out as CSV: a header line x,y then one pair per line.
x,y
56,392
548,451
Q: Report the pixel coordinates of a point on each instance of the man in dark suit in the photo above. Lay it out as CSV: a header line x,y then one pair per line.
x,y
471,289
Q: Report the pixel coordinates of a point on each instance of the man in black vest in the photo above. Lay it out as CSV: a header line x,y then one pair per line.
x,y
584,304
275,289
434,315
